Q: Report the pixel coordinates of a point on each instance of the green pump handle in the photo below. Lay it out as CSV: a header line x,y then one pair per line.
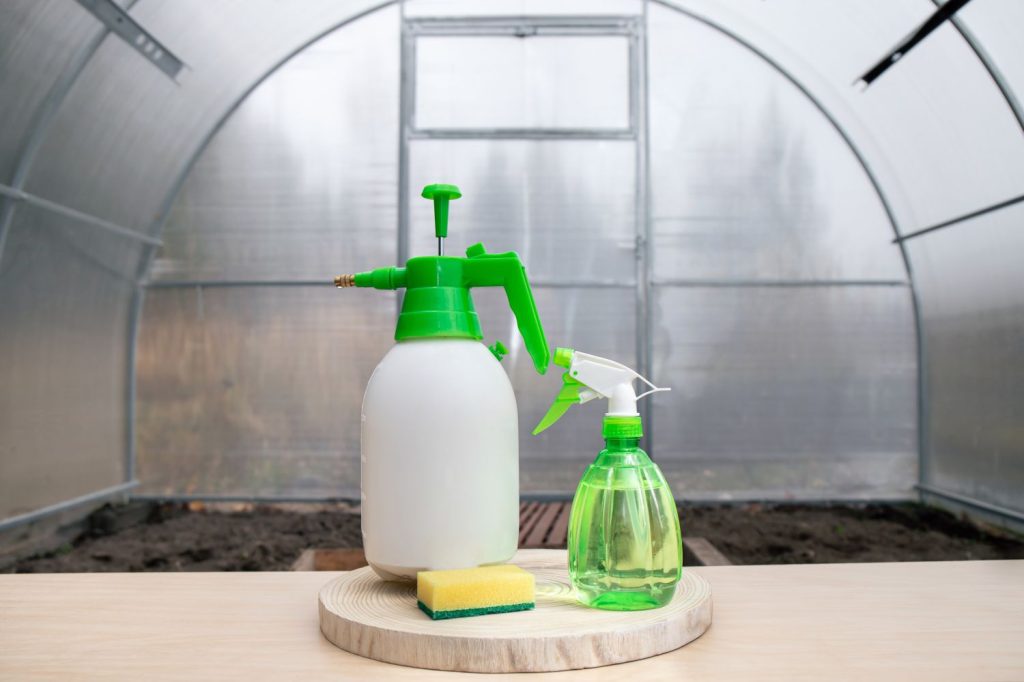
x,y
482,269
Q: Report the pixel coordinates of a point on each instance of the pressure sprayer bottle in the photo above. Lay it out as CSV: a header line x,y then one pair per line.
x,y
440,438
625,548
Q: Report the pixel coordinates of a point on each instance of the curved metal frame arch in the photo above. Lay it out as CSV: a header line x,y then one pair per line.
x,y
993,71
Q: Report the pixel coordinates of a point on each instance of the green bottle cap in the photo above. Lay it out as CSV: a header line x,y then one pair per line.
x,y
437,301
622,427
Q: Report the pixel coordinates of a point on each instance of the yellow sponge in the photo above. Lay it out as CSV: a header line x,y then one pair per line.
x,y
474,591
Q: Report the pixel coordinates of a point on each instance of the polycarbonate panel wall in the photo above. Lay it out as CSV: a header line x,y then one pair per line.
x,y
509,82
127,131
255,390
779,308
971,284
782,392
994,28
300,183
119,139
781,317
761,169
40,41
64,360
250,390
936,129
748,180
568,207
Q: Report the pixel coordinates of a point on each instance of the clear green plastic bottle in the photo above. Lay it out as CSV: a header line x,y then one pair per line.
x,y
625,547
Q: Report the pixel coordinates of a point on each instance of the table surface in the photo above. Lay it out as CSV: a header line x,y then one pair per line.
x,y
929,621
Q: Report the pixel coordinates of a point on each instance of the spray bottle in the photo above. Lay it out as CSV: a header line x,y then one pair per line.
x,y
440,437
625,548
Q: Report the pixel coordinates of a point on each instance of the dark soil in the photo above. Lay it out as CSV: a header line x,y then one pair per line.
x,y
177,538
263,538
805,534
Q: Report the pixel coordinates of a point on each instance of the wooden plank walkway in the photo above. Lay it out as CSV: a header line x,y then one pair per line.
x,y
543,525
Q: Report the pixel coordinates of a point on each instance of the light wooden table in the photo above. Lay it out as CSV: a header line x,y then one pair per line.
x,y
927,621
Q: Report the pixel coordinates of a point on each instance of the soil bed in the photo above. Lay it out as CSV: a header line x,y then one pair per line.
x,y
805,534
270,538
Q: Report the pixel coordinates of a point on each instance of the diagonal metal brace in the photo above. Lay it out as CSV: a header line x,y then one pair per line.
x,y
121,23
940,16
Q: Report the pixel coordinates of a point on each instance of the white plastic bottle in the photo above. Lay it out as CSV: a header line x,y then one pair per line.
x,y
440,459
440,439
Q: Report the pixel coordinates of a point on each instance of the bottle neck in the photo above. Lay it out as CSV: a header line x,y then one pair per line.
x,y
622,452
621,444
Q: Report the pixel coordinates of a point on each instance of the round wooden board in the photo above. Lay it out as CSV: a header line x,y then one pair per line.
x,y
367,616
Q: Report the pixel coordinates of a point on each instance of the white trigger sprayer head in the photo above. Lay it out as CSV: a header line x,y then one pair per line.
x,y
589,377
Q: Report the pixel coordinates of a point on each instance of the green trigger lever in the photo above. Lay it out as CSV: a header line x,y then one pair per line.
x,y
568,396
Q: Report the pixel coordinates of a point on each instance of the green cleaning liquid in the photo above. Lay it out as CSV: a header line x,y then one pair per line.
x,y
625,548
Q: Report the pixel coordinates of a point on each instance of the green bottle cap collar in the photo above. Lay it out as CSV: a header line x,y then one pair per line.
x,y
622,427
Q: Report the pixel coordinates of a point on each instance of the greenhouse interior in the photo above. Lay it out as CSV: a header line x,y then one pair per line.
x,y
806,219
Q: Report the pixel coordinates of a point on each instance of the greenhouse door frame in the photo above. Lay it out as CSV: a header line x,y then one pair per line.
x,y
631,27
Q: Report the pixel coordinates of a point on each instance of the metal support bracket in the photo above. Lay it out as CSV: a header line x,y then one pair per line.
x,y
130,31
959,219
61,209
944,12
